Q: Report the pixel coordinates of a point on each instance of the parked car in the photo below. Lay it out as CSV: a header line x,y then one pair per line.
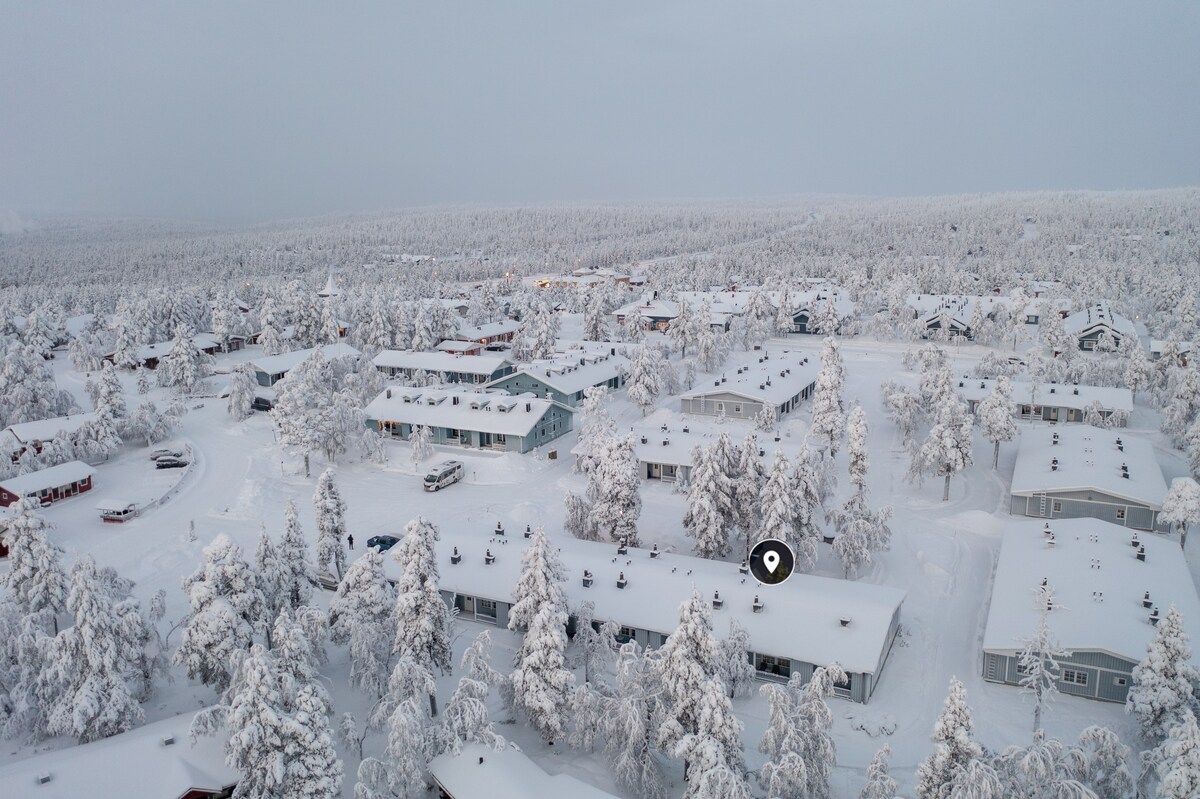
x,y
166,453
443,475
383,542
170,463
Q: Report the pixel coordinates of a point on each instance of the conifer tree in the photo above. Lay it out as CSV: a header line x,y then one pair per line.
x,y
258,728
643,384
829,420
540,679
360,615
312,768
880,784
331,524
954,748
297,577
1163,682
421,617
542,573
1182,753
687,661
995,414
242,387
35,579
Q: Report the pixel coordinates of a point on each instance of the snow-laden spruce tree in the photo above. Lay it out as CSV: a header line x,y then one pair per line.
x,y
421,618
257,725
296,660
312,768
687,661
1181,410
633,329
330,509
420,439
880,783
784,321
1138,371
947,448
828,418
225,610
595,645
733,661
147,424
807,494
1104,763
541,681
1163,682
184,366
542,573
1182,759
683,330
954,748
905,408
466,719
757,320
36,580
268,576
297,576
93,664
110,394
995,414
630,725
705,520
815,722
749,480
713,759
643,384
780,518
1038,661
403,771
856,448
242,387
596,424
360,614
1181,506
614,491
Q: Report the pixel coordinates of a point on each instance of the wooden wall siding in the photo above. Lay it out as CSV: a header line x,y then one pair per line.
x,y
1137,517
1104,674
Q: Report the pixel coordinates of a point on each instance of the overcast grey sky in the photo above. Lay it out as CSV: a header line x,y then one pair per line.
x,y
262,109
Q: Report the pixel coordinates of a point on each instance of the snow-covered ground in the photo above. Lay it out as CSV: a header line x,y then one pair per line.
x,y
943,555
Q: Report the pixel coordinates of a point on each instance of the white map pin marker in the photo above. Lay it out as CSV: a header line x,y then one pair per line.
x,y
771,559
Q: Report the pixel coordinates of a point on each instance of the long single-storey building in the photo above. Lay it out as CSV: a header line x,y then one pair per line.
x,y
954,313
16,438
564,379
491,333
468,418
806,622
1053,402
48,485
480,772
148,355
447,367
1084,471
270,369
1108,587
1088,324
779,378
154,761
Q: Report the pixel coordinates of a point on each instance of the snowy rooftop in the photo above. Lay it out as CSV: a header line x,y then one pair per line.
x,y
46,429
483,365
577,371
286,361
1157,345
133,765
774,375
480,772
959,306
489,330
682,432
55,476
974,389
463,409
1088,458
733,303
1098,586
1093,316
801,619
461,347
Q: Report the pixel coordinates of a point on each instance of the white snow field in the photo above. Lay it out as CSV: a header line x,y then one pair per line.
x,y
942,556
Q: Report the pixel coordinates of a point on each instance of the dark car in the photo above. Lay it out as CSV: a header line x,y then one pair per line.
x,y
383,542
170,463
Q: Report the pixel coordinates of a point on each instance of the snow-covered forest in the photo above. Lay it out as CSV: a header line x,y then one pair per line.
x,y
208,426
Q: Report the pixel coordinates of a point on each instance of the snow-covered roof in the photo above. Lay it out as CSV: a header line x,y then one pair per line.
x,y
1098,586
771,375
575,372
975,389
462,409
801,619
480,772
488,331
462,347
65,473
286,361
1097,316
483,365
134,765
960,307
733,303
46,429
1088,458
1157,345
671,436
115,504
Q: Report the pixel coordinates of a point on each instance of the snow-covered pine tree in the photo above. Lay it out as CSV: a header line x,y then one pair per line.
x,y
631,725
35,579
330,510
1163,682
643,385
93,664
242,387
778,504
1182,754
733,661
541,682
995,414
595,644
466,719
757,320
713,760
880,784
856,448
633,329
682,331
110,394
784,320
814,720
225,610
420,440
749,480
542,573
312,768
258,728
947,449
331,329
828,419
1182,408
1104,764
954,748
297,576
1181,506
687,661
295,656
421,618
806,488
1138,371
148,425
360,615
184,366
705,520
1038,661
142,381
614,491
402,774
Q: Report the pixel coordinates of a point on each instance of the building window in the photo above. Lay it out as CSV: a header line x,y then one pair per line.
x,y
737,408
720,407
844,685
1076,677
1120,681
1120,514
776,667
1021,668
1056,505
625,635
485,607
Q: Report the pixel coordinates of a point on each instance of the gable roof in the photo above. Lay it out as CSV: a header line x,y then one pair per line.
x,y
975,389
286,361
772,375
1095,317
63,474
461,409
46,429
1089,458
482,365
480,772
572,373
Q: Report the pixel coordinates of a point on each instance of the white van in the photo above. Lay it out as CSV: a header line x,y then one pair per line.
x,y
443,475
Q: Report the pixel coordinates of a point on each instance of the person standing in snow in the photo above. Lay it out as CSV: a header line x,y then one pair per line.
x,y
350,541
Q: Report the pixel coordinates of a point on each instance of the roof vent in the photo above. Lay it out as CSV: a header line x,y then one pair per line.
x,y
389,393
845,621
762,386
666,441
1051,389
757,605
528,407
621,581
43,778
167,740
1076,391
488,558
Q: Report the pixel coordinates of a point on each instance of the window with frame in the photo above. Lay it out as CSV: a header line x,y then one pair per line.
x,y
737,407
1022,669
1056,505
844,685
1121,681
1075,677
1120,514
767,664
485,607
